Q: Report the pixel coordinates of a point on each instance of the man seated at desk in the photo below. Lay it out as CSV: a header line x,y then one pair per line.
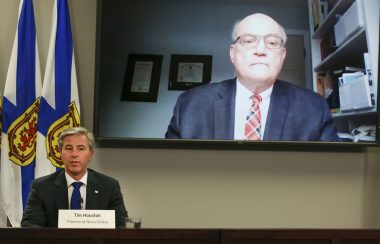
x,y
56,191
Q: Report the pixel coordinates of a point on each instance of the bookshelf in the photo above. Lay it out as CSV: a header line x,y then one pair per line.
x,y
339,8
364,39
355,46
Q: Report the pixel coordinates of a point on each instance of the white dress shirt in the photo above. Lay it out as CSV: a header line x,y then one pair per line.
x,y
243,104
82,189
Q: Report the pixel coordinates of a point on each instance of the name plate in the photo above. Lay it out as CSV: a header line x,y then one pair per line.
x,y
92,219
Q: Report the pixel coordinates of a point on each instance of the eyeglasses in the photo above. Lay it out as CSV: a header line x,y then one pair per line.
x,y
251,41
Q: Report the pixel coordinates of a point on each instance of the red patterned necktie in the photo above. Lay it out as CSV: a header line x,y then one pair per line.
x,y
253,123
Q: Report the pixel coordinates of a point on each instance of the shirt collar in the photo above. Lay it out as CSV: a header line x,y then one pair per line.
x,y
70,180
244,92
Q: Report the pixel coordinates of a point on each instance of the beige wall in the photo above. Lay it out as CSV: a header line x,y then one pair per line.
x,y
206,188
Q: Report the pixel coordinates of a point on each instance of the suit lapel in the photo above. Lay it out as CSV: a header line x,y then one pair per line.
x,y
92,192
60,193
277,113
224,111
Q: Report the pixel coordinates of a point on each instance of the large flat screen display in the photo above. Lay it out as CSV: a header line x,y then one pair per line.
x,y
237,73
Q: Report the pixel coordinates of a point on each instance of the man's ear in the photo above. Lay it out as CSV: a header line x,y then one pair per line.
x,y
284,54
232,53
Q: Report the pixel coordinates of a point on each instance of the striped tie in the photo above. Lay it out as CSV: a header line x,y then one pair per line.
x,y
253,123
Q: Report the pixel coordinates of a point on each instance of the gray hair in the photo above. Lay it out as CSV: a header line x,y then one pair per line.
x,y
234,34
77,131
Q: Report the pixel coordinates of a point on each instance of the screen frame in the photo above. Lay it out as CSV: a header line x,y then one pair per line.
x,y
201,144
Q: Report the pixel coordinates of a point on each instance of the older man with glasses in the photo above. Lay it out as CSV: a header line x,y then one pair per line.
x,y
255,105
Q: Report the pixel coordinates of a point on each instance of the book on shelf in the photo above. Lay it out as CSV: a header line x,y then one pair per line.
x,y
316,10
327,46
331,90
320,10
367,68
368,72
324,10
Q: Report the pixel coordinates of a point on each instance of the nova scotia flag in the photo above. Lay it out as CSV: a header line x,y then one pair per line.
x,y
59,107
19,117
3,215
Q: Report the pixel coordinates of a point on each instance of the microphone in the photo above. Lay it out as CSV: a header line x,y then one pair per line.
x,y
81,202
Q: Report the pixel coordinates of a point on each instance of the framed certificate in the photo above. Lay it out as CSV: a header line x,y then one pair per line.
x,y
187,71
142,78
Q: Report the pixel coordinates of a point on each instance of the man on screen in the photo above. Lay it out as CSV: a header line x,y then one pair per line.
x,y
255,105
56,191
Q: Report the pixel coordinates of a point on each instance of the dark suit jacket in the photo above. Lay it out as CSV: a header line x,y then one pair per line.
x,y
295,114
48,194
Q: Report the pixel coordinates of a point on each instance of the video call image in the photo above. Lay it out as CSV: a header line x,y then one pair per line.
x,y
294,70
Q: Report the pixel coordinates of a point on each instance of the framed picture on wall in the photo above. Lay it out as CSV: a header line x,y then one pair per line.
x,y
187,71
142,77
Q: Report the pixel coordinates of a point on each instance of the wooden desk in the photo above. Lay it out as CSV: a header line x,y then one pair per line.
x,y
108,236
300,236
189,236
